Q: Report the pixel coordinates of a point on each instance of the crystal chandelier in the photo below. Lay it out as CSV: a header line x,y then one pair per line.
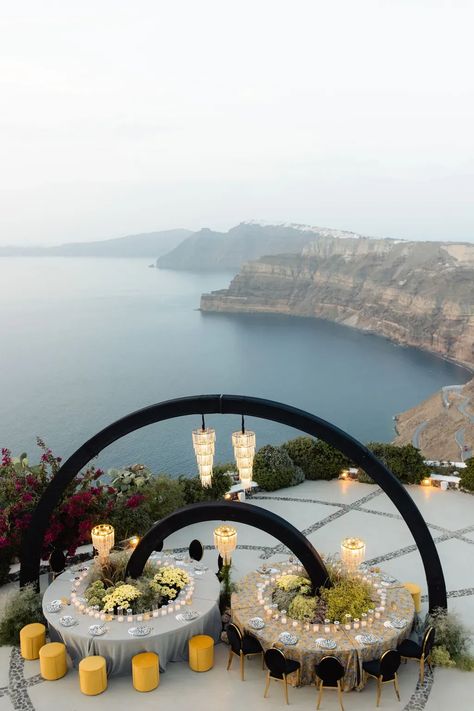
x,y
352,553
244,451
225,540
103,538
204,444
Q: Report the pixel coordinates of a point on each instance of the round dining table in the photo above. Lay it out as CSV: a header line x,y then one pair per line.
x,y
168,637
350,650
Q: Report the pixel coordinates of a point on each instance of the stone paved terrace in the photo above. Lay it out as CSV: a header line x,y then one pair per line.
x,y
326,512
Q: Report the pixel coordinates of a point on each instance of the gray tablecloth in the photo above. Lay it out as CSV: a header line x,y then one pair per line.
x,y
169,638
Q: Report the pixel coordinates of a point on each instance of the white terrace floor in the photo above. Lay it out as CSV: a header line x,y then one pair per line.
x,y
326,512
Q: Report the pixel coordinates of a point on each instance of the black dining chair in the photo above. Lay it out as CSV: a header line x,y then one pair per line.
x,y
384,670
242,645
279,668
196,551
419,652
329,673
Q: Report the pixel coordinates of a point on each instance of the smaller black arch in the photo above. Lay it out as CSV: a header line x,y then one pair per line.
x,y
249,514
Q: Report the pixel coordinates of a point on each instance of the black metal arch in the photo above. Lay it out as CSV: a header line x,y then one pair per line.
x,y
252,515
235,404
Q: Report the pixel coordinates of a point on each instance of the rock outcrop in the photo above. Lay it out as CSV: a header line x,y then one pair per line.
x,y
415,293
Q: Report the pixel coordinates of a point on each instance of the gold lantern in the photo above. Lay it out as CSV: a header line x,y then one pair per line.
x,y
244,443
352,553
204,441
426,481
103,538
225,540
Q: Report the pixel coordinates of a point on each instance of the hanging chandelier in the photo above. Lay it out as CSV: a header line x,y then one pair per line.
x,y
103,538
225,540
352,553
204,441
244,443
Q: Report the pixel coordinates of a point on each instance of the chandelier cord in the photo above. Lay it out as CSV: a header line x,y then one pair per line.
x,y
243,425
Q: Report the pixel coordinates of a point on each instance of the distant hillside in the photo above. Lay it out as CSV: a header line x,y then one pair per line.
x,y
207,250
443,425
148,244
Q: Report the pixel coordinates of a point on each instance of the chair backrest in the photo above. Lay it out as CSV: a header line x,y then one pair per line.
x,y
389,663
428,641
196,551
234,637
57,561
275,661
330,670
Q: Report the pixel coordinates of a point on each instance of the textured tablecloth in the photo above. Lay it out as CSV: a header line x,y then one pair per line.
x,y
349,651
169,638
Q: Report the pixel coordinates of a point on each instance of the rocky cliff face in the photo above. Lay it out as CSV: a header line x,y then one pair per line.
x,y
415,293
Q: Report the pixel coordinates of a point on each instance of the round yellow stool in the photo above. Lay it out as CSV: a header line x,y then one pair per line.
x,y
415,592
53,664
92,675
201,653
145,671
32,638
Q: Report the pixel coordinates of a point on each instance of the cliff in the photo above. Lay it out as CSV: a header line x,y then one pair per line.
x,y
415,293
443,425
208,250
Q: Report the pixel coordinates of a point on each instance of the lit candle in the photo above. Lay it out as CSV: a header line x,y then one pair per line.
x,y
119,614
295,623
82,607
327,626
163,611
377,614
129,615
363,620
97,615
356,623
315,628
155,612
102,616
139,618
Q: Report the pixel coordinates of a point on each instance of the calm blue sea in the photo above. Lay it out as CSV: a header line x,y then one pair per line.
x,y
85,341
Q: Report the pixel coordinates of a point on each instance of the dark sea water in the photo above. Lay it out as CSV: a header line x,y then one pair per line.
x,y
86,341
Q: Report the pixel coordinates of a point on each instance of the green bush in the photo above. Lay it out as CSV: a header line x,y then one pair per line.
x,y
194,491
467,475
440,657
364,478
163,496
405,462
22,608
317,459
450,633
129,521
273,469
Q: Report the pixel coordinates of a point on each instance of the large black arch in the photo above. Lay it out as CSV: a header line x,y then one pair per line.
x,y
249,514
32,542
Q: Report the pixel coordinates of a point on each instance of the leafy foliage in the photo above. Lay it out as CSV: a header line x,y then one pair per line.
x,y
194,492
317,459
405,462
467,475
22,608
131,479
163,496
452,636
273,469
227,586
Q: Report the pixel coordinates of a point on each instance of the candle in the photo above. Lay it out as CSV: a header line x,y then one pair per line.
x,y
283,617
295,623
356,623
155,612
130,614
336,626
120,617
164,611
363,621
377,614
139,618
315,628
97,615
102,616
146,616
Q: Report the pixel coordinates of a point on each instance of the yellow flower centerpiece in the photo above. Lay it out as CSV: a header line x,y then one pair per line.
x,y
121,596
168,582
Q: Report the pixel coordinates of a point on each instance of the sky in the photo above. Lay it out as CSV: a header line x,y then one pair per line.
x,y
120,117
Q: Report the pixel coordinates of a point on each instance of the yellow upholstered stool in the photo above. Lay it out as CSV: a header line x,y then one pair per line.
x,y
201,653
32,638
145,671
415,592
53,663
92,675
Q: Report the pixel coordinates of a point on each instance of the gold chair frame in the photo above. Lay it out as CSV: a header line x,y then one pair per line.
x,y
242,657
320,686
423,659
380,682
284,680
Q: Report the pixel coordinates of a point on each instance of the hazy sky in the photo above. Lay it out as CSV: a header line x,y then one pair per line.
x,y
130,116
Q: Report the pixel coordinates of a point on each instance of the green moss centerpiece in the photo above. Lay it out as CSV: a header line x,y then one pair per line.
x,y
349,594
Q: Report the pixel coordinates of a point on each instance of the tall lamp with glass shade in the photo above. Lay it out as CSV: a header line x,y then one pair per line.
x,y
204,440
244,443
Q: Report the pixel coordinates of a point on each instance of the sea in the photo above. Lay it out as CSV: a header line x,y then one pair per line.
x,y
85,341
